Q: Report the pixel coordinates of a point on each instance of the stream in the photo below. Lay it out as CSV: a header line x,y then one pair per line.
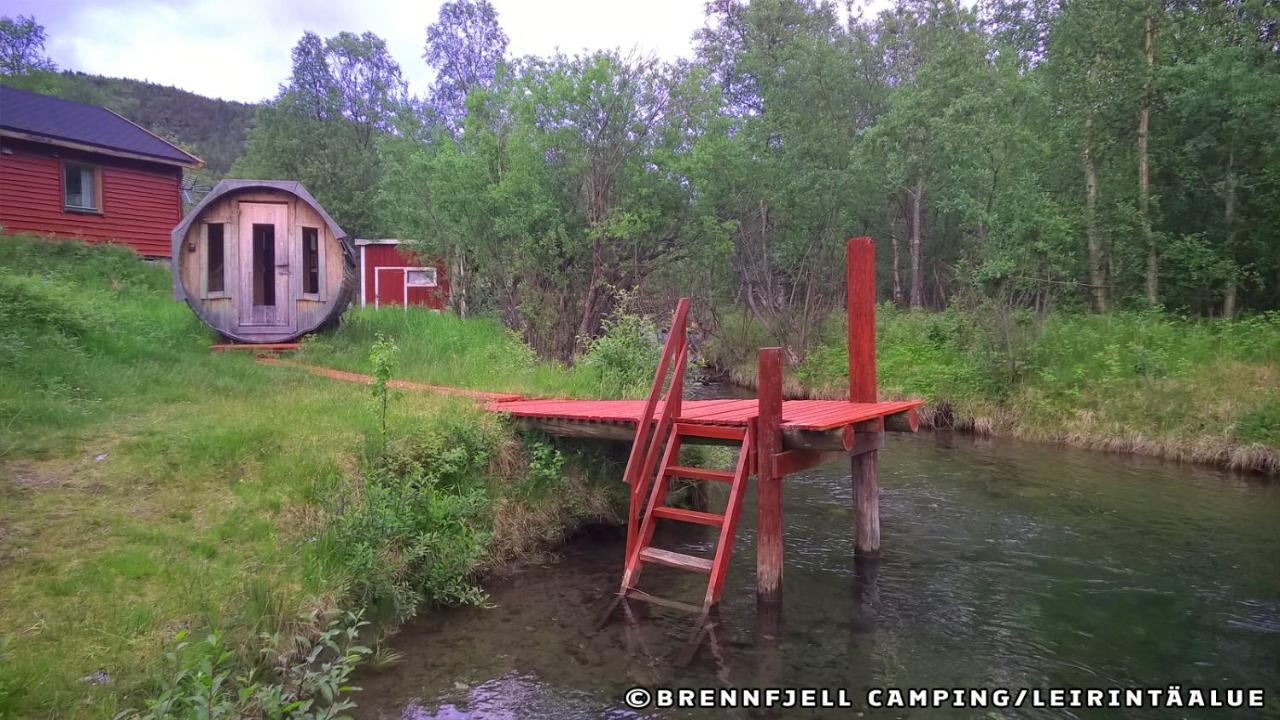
x,y
1004,564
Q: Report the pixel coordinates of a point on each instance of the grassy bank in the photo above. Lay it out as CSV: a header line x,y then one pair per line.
x,y
1149,383
149,488
482,354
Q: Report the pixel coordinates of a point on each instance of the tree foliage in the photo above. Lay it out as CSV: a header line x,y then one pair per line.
x,y
22,42
465,46
345,94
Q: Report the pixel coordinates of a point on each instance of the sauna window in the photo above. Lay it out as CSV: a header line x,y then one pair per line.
x,y
420,277
310,261
80,187
215,258
264,264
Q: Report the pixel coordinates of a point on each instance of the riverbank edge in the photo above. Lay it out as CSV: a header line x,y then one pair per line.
x,y
1002,423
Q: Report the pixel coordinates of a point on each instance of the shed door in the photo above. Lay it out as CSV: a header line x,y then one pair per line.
x,y
265,300
388,287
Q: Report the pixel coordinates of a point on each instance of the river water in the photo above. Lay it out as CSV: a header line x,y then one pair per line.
x,y
1004,565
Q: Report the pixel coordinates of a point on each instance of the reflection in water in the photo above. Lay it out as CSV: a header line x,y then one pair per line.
x,y
1003,564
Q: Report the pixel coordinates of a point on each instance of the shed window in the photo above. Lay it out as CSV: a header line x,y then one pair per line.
x,y
215,252
311,261
80,186
420,277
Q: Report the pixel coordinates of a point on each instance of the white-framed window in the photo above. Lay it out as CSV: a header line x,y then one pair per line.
x,y
420,277
81,187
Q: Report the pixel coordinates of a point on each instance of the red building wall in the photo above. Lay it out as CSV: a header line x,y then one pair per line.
x,y
386,286
141,201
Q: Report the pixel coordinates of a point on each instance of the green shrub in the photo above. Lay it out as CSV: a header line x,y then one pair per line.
x,y
625,355
735,340
419,522
306,678
546,467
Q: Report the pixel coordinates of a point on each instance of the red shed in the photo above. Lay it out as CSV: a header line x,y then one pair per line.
x,y
391,274
82,171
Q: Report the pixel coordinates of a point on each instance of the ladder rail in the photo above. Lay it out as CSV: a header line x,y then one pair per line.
x,y
640,483
676,346
646,515
645,534
675,343
728,530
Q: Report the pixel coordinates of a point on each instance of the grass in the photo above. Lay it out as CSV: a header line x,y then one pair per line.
x,y
148,486
1149,383
478,354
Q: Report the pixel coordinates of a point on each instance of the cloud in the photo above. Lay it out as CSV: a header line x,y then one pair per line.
x,y
239,49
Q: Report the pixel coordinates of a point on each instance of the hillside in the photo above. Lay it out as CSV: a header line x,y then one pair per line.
x,y
212,129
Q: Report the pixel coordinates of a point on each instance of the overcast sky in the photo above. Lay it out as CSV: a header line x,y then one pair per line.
x,y
239,49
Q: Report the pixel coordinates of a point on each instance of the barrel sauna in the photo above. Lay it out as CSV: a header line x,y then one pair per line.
x,y
260,261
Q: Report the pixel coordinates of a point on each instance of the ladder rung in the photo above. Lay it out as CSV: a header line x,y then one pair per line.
x,y
715,432
693,473
692,516
643,596
675,559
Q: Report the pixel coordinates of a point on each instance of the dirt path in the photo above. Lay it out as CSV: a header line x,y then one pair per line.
x,y
397,384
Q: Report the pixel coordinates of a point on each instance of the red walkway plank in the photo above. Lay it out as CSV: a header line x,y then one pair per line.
x,y
799,414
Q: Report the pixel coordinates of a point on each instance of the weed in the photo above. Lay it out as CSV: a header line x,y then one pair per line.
x,y
383,358
307,677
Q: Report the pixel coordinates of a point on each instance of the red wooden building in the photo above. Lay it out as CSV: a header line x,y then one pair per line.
x,y
391,274
81,171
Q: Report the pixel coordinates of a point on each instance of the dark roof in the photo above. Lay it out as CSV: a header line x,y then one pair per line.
x,y
57,119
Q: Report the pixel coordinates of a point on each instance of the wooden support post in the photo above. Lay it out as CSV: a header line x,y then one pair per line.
x,y
865,468
768,482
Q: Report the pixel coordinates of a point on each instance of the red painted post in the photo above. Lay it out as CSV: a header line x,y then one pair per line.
x,y
768,483
861,291
865,468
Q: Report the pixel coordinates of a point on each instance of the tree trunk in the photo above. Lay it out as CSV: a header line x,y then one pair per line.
x,y
1144,165
1097,260
590,320
917,223
897,257
459,282
1229,220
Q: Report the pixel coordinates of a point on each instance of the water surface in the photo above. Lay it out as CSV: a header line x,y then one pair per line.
x,y
1004,564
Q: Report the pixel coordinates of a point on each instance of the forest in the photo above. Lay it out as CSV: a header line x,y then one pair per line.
x,y
1018,155
1008,155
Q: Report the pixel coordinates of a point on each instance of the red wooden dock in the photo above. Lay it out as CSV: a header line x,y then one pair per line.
x,y
774,437
817,415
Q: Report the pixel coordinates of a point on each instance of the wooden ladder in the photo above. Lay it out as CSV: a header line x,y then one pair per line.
x,y
715,567
647,495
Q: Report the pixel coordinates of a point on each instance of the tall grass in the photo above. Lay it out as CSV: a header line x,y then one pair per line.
x,y
1146,382
480,354
89,336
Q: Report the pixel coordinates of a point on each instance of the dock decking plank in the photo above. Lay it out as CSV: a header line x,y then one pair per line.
x,y
801,414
